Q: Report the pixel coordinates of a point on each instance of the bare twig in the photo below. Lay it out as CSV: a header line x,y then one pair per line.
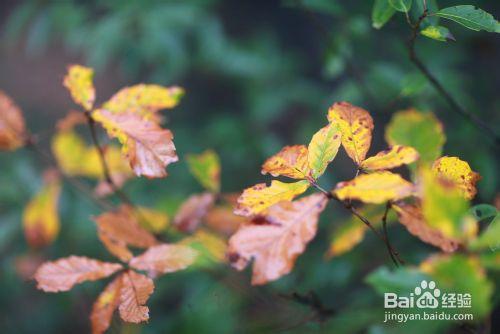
x,y
455,106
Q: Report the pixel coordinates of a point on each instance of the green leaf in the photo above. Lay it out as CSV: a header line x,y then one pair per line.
x,y
381,13
490,238
461,274
471,17
422,131
439,33
401,5
483,211
401,280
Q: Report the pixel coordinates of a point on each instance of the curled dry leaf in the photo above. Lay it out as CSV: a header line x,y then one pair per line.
x,y
258,198
105,305
291,161
374,188
135,291
12,128
458,172
78,81
323,148
164,258
356,126
144,100
277,238
40,217
120,229
192,211
205,167
148,147
222,219
393,157
63,274
412,218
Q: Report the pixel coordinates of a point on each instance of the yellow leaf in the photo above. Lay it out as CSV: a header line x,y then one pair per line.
x,y
148,147
76,158
444,207
258,198
375,188
78,81
206,169
394,157
323,148
40,217
459,172
12,127
144,100
208,244
291,161
152,220
356,126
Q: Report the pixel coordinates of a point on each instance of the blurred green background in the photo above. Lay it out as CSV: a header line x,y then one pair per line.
x,y
258,75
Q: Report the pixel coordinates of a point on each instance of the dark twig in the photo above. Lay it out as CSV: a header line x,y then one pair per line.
x,y
347,205
455,106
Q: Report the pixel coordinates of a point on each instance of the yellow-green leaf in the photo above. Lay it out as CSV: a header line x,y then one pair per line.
x,y
394,157
152,220
291,161
78,81
40,217
375,188
356,126
439,33
445,208
210,246
256,199
205,167
422,131
323,148
458,172
144,100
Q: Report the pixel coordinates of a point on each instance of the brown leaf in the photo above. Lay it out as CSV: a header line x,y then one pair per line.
x,y
71,119
275,240
120,229
12,128
148,147
165,258
105,306
63,274
291,161
223,220
135,291
192,211
412,218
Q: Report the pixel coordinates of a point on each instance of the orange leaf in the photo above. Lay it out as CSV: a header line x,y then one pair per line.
x,y
291,161
276,239
412,218
12,128
71,119
165,258
148,147
135,292
105,306
192,211
121,228
63,274
356,126
223,220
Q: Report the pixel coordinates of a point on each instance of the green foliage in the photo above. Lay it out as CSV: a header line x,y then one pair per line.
x,y
470,17
401,5
438,33
381,13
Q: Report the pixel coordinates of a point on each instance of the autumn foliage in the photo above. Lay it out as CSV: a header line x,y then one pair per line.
x,y
269,225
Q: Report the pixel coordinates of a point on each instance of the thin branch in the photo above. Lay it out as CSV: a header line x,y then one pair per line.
x,y
455,106
391,249
347,205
